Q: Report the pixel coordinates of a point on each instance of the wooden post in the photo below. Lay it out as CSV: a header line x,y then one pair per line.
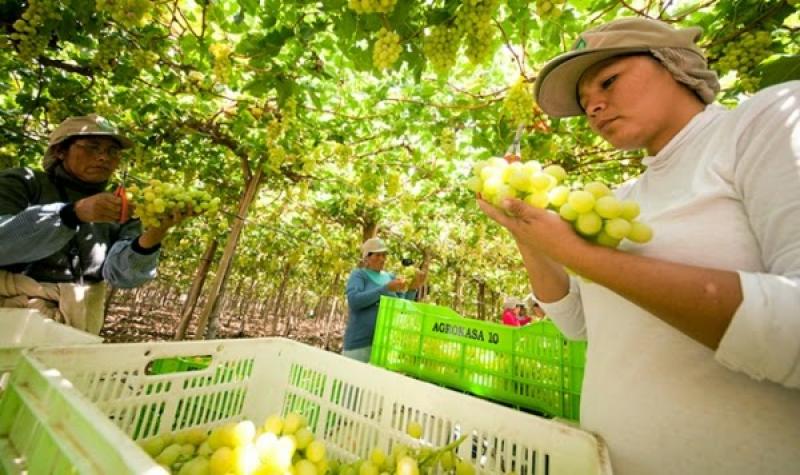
x,y
206,325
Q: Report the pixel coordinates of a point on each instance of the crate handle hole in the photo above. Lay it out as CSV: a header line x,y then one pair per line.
x,y
177,364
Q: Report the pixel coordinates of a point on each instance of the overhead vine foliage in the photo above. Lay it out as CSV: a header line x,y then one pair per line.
x,y
361,115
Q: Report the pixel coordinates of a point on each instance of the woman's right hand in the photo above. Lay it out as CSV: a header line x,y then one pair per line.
x,y
536,229
397,285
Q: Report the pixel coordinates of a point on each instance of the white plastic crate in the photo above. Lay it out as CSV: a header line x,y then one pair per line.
x,y
22,328
77,409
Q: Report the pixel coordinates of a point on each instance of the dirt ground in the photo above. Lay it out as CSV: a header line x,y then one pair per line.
x,y
159,325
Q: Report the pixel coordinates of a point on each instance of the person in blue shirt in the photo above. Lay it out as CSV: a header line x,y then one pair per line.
x,y
62,234
365,286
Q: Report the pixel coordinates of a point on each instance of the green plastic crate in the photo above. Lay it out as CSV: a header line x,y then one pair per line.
x,y
532,367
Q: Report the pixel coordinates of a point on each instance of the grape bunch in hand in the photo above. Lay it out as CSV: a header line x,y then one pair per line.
x,y
593,210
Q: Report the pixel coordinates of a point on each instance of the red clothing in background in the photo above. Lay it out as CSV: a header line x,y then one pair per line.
x,y
511,319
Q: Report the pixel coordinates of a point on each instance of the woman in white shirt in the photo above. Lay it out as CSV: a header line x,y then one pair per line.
x,y
693,363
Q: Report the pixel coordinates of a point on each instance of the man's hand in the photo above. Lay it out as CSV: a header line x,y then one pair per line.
x,y
153,236
99,208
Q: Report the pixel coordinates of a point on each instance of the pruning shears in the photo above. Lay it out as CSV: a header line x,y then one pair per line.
x,y
121,192
513,153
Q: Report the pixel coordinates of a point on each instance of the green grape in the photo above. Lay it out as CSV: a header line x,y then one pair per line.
x,y
544,181
304,436
640,232
196,466
128,13
447,142
222,461
305,467
169,455
371,6
589,223
447,460
153,446
407,466
521,177
293,422
441,47
608,207
245,459
464,468
243,433
558,196
386,49
475,184
549,9
743,55
539,199
617,228
33,31
158,200
368,468
474,22
556,171
630,210
598,189
144,60
222,63
581,201
377,457
519,103
414,429
315,451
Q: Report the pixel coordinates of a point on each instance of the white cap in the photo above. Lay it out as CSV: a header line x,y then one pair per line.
x,y
511,302
373,245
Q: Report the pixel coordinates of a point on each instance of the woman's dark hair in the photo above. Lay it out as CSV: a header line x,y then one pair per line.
x,y
62,147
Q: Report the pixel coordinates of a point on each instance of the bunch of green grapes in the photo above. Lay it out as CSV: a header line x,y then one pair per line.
x,y
343,153
222,60
32,31
441,47
408,274
144,60
447,143
406,460
519,103
128,13
743,55
592,210
371,6
549,9
474,21
392,183
57,111
280,445
158,200
107,55
386,49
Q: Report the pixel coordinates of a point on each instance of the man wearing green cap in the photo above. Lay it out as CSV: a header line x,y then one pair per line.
x,y
693,363
60,232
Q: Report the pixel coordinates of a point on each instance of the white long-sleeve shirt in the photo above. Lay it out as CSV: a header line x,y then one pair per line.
x,y
725,194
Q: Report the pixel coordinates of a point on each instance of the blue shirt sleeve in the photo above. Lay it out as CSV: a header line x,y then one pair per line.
x,y
359,296
33,234
124,267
